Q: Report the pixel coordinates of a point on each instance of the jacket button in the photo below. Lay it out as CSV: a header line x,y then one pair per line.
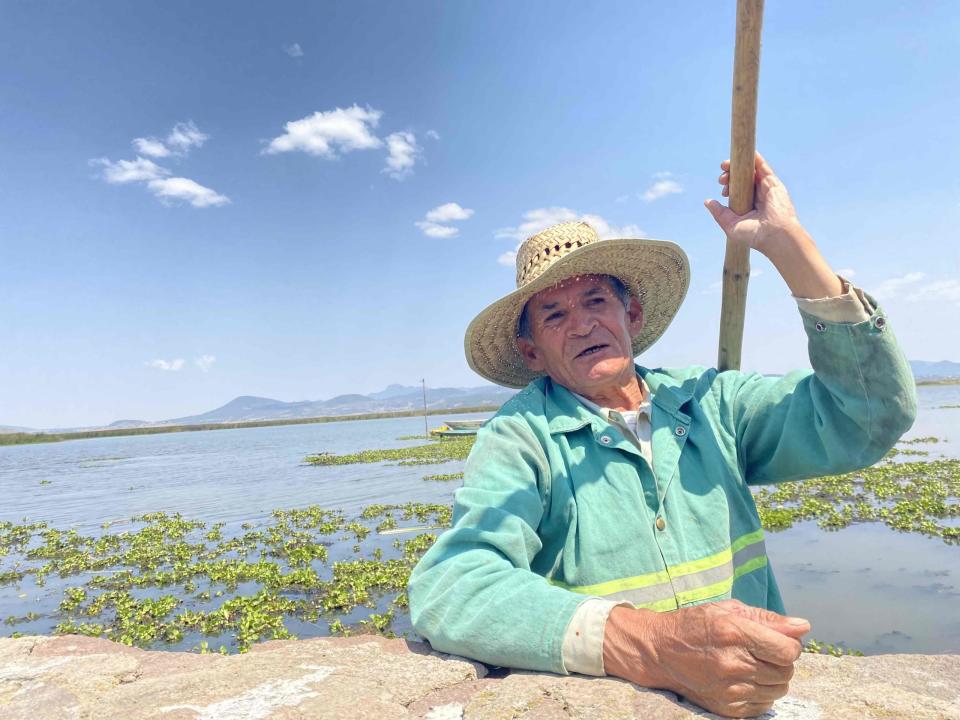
x,y
879,323
680,431
605,439
820,327
661,523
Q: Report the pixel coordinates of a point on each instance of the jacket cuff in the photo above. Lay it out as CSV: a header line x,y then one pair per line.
x,y
583,641
851,306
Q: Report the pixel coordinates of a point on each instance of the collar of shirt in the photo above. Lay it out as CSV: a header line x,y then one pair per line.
x,y
628,419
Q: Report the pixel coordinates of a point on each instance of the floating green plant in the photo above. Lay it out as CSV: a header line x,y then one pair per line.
x,y
168,579
921,497
815,646
445,477
440,451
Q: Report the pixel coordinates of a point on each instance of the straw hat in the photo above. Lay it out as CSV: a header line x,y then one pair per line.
x,y
655,271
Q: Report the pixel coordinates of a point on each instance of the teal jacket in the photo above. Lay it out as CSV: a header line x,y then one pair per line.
x,y
557,506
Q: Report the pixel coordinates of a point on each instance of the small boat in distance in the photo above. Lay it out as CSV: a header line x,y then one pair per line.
x,y
458,428
465,424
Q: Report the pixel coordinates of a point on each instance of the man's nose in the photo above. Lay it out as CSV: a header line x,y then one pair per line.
x,y
582,322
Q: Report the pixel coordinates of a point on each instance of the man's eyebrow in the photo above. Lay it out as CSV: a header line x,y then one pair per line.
x,y
595,290
549,306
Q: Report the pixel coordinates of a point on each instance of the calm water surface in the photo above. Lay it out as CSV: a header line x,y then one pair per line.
x,y
866,586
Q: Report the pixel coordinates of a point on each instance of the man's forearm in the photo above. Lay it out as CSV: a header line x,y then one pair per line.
x,y
800,263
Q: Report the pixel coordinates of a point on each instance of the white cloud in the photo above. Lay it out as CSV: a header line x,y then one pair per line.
x,y
433,134
432,224
168,365
434,230
181,188
403,154
151,146
536,220
894,286
846,272
185,136
205,362
449,212
326,133
128,171
181,139
937,290
294,50
662,187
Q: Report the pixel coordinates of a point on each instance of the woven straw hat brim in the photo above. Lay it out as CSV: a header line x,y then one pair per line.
x,y
655,271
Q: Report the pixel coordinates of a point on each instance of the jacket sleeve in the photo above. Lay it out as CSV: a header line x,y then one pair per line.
x,y
843,415
474,593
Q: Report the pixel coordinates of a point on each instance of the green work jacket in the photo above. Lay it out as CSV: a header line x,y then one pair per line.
x,y
558,506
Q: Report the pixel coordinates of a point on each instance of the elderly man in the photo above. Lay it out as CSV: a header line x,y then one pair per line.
x,y
606,523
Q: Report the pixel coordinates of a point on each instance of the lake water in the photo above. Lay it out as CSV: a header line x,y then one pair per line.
x,y
866,586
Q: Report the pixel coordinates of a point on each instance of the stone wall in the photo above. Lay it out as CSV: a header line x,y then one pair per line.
x,y
71,677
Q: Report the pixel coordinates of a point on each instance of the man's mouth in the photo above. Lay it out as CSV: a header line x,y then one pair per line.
x,y
592,349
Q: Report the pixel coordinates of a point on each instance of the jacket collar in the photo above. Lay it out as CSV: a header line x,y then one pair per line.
x,y
565,413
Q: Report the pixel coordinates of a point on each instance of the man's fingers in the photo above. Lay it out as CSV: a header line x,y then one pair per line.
x,y
769,674
772,646
724,216
763,167
792,626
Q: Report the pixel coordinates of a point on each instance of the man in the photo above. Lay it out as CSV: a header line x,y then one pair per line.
x,y
606,524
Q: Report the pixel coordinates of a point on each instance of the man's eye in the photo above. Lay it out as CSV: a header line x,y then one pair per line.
x,y
553,316
595,301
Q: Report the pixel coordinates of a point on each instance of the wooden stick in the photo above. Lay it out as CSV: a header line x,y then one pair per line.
x,y
743,131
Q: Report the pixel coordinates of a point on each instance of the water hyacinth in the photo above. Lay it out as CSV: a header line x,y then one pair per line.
x,y
167,580
176,580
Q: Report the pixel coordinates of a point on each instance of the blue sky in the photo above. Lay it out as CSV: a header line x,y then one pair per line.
x,y
203,200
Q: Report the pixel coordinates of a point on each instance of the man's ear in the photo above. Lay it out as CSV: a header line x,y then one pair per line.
x,y
530,354
635,317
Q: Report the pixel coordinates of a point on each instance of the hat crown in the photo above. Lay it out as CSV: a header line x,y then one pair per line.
x,y
540,251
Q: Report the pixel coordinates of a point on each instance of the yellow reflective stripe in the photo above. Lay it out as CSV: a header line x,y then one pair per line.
x,y
707,563
707,591
710,562
749,539
658,605
750,565
614,586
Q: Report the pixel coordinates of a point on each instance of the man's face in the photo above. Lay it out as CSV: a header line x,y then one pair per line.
x,y
581,334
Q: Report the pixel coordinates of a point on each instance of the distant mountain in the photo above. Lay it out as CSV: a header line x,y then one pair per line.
x,y
942,370
393,391
12,429
393,399
124,424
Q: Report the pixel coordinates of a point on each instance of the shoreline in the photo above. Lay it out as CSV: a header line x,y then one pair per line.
x,y
41,437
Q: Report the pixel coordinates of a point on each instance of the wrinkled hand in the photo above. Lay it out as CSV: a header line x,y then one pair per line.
x,y
773,214
730,658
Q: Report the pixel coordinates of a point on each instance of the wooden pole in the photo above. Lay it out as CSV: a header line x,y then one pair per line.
x,y
426,430
743,137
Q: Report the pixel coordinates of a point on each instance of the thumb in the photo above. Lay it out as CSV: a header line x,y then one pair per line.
x,y
794,627
724,216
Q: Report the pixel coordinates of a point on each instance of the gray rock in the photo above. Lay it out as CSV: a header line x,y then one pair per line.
x,y
72,677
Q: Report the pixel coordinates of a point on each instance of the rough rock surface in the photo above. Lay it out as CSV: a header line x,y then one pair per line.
x,y
82,678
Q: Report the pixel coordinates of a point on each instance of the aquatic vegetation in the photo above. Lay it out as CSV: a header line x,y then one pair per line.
x,y
168,579
439,451
165,579
921,497
815,646
447,477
